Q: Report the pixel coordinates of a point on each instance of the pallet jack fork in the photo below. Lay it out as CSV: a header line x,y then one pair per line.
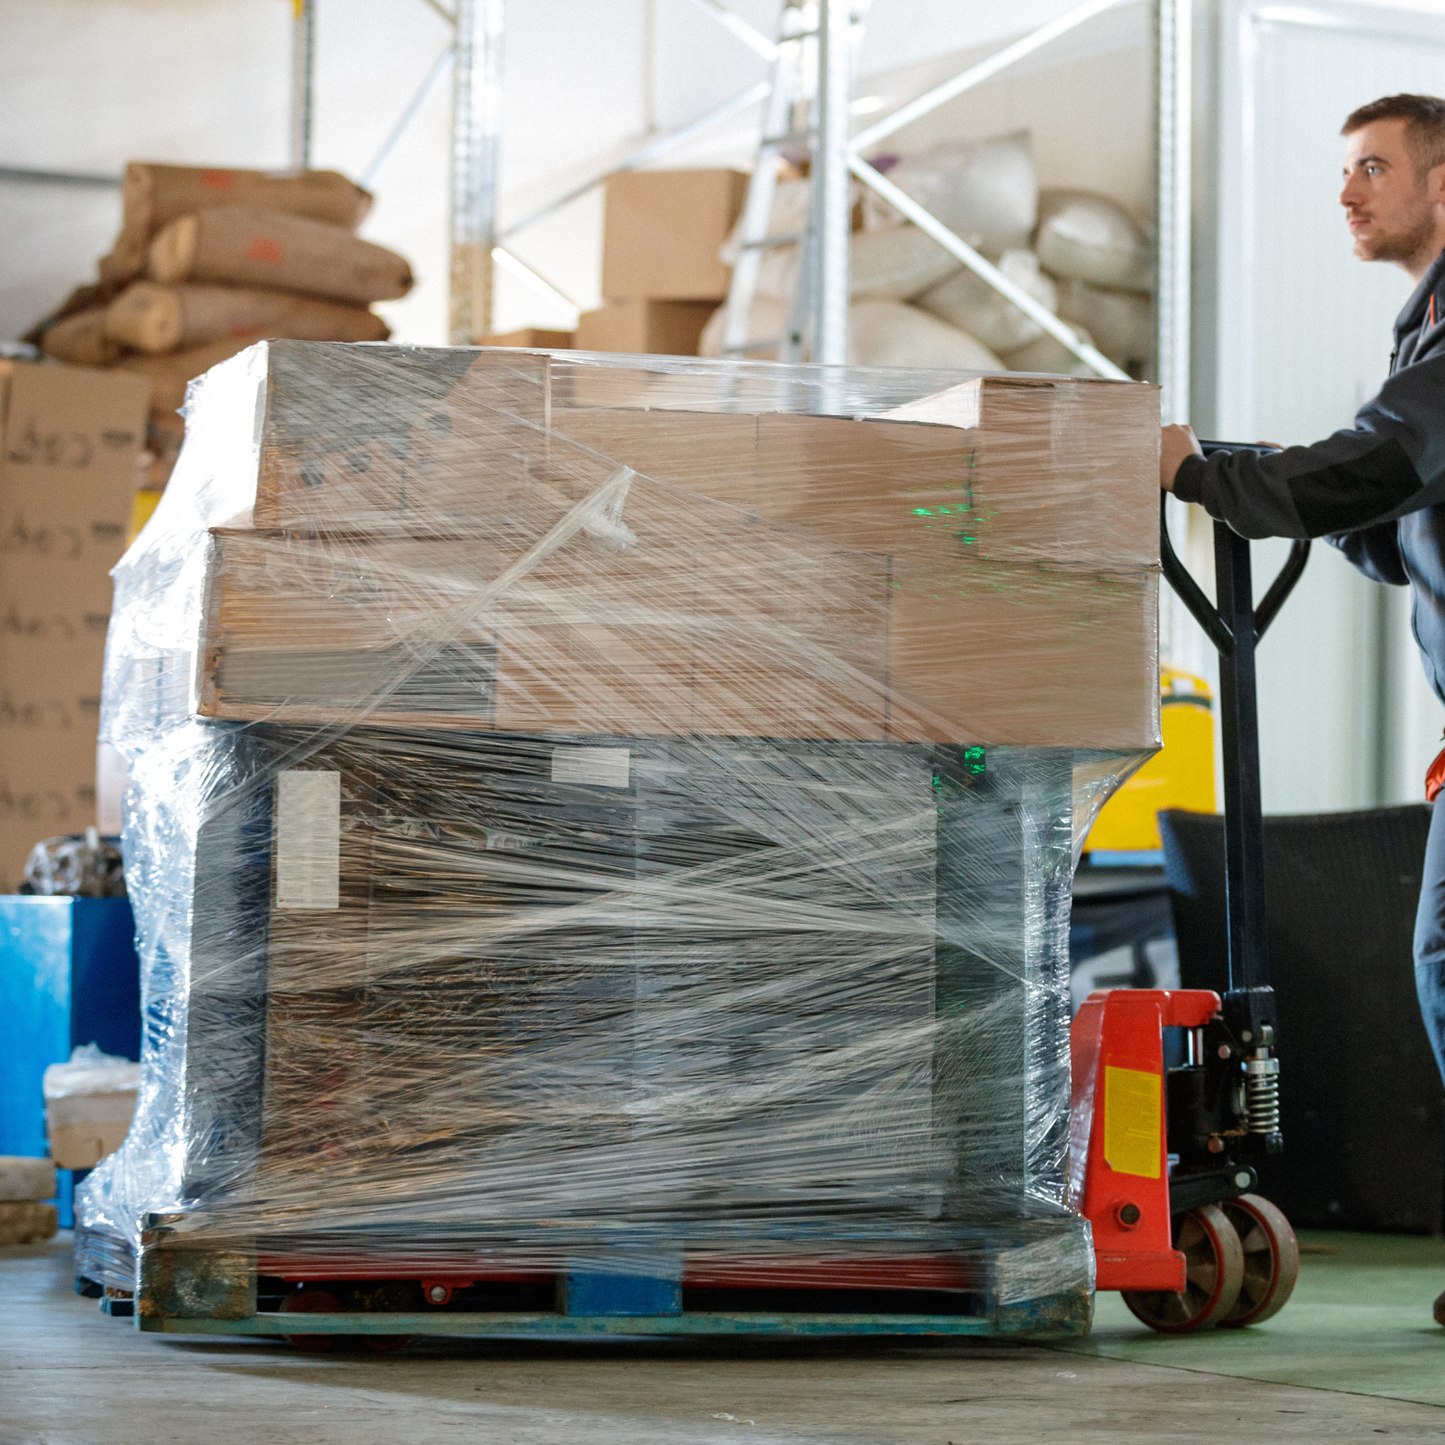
x,y
1168,1158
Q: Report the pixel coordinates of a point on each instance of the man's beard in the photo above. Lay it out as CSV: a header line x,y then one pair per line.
x,y
1406,245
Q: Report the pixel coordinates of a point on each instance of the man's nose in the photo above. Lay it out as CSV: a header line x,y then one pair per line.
x,y
1351,193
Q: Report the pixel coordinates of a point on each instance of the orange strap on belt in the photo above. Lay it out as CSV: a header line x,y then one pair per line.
x,y
1435,777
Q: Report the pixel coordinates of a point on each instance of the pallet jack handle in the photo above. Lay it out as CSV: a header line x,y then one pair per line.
x,y
1235,627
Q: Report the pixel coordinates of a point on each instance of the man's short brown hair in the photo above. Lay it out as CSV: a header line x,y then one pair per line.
x,y
1424,117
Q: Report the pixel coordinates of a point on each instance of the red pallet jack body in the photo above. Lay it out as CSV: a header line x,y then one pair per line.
x,y
1165,1160
1118,1096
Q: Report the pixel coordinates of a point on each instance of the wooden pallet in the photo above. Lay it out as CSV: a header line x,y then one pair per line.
x,y
186,1289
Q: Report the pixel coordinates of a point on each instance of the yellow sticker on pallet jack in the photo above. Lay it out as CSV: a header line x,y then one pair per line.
x,y
1132,1107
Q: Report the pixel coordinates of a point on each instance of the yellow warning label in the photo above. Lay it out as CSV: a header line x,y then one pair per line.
x,y
1132,1101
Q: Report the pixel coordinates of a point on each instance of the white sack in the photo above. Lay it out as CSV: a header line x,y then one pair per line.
x,y
974,306
892,333
767,319
1093,239
984,191
897,264
1121,322
1051,356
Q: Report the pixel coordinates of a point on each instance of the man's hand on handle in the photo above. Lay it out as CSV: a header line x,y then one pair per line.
x,y
1177,443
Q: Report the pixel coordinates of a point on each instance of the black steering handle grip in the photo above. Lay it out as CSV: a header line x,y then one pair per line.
x,y
1188,590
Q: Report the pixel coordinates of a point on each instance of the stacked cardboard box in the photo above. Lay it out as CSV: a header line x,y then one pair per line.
x,y
26,1186
661,276
210,260
72,437
773,574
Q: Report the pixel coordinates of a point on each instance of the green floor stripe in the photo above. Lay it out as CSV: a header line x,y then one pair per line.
x,y
1359,1321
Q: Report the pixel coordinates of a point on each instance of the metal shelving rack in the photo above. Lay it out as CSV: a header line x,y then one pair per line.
x,y
477,240
477,130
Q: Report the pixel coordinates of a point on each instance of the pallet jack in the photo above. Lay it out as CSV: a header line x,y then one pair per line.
x,y
1167,1168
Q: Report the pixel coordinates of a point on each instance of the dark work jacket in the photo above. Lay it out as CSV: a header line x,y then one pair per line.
x,y
1376,491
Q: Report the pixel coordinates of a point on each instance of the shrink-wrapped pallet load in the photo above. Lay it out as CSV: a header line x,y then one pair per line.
x,y
595,819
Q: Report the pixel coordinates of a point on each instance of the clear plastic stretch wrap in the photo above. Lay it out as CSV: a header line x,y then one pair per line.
x,y
617,814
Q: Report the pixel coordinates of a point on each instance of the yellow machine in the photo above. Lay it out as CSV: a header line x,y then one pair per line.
x,y
1179,775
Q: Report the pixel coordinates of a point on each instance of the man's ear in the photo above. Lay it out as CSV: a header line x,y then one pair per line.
x,y
1435,183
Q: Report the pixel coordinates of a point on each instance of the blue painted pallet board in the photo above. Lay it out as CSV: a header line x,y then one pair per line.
x,y
513,1326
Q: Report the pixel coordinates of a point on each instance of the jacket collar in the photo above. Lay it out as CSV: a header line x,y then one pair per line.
x,y
1412,317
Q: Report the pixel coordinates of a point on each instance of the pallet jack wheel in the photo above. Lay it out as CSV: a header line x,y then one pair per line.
x,y
312,1302
1271,1260
1214,1273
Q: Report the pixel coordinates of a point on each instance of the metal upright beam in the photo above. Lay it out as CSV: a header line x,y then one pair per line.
x,y
476,143
1181,643
831,184
303,72
1173,205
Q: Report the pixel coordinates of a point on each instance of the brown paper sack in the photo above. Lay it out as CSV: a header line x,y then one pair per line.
x,y
155,318
81,340
152,195
247,246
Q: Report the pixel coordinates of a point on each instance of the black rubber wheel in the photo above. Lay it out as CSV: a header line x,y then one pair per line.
x,y
1214,1265
1271,1260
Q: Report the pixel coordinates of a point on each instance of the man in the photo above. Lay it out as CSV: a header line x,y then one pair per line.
x,y
1377,491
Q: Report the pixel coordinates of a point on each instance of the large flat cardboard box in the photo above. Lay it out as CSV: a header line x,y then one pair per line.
x,y
385,441
72,437
663,328
463,545
662,231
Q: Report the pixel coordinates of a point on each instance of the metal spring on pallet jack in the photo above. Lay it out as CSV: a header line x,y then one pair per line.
x,y
1261,1095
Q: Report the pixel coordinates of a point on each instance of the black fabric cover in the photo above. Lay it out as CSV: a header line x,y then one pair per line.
x,y
1363,1110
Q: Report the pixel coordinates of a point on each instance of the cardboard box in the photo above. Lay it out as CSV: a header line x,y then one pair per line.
x,y
89,1104
532,336
84,1128
67,477
663,328
662,232
708,622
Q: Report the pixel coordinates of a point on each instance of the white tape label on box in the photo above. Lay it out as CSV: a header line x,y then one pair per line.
x,y
602,767
308,840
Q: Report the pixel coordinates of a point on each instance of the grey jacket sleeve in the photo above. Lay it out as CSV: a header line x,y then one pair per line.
x,y
1392,461
1375,551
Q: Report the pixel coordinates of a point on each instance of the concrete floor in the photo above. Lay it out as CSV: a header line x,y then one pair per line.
x,y
1353,1357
